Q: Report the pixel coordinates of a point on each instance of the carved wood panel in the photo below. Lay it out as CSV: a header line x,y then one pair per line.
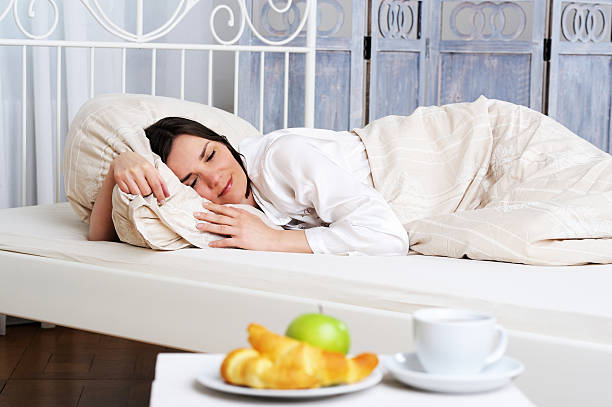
x,y
428,52
339,68
445,51
398,73
493,48
580,90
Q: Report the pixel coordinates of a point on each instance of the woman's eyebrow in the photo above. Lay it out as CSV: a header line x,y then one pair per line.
x,y
186,177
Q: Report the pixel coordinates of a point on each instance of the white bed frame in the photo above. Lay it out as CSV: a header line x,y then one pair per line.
x,y
560,372
141,40
185,314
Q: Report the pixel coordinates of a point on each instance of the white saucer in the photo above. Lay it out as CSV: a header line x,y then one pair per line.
x,y
406,368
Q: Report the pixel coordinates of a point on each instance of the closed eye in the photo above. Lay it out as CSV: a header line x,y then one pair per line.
x,y
193,184
211,156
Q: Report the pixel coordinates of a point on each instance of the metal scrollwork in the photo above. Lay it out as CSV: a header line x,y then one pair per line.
x,y
181,10
246,19
183,7
496,23
31,14
293,15
5,12
583,23
396,19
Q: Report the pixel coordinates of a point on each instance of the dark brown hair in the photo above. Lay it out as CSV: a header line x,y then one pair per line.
x,y
162,133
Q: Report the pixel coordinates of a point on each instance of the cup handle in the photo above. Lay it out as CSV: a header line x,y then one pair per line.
x,y
500,349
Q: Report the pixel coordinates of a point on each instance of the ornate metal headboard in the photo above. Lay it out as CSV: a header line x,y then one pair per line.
x,y
128,40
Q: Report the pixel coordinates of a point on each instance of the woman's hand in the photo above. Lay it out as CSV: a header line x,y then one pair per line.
x,y
245,230
135,175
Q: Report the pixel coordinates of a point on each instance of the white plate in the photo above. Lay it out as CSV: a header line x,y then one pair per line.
x,y
211,378
406,368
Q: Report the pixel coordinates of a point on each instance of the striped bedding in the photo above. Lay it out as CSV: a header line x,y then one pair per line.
x,y
491,180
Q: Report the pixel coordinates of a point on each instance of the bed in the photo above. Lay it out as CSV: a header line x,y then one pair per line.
x,y
559,318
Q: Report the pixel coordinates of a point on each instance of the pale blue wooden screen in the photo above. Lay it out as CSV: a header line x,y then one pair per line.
x,y
446,51
580,89
398,60
493,48
339,69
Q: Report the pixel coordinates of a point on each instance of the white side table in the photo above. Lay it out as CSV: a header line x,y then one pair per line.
x,y
175,385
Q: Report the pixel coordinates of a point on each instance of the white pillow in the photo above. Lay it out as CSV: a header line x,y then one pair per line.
x,y
108,125
142,222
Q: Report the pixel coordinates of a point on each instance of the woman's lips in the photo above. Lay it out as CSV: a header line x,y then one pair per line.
x,y
228,186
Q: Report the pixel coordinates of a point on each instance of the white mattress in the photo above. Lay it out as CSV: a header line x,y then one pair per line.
x,y
569,302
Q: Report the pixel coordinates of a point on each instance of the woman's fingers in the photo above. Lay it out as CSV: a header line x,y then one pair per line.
x,y
143,185
214,218
246,231
137,176
123,186
215,228
220,209
164,187
218,223
132,186
229,242
154,181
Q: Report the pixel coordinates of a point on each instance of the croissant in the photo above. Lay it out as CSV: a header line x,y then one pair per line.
x,y
280,362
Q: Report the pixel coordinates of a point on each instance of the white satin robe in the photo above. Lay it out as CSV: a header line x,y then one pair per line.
x,y
319,180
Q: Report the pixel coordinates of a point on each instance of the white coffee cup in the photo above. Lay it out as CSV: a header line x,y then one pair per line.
x,y
457,342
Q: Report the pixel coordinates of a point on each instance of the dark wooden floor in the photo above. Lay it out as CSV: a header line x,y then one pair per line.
x,y
70,368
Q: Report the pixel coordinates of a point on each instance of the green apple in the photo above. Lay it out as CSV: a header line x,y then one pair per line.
x,y
321,331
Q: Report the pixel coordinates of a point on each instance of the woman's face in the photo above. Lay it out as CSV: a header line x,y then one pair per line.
x,y
209,168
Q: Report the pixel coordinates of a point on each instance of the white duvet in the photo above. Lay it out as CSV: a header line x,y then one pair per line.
x,y
494,181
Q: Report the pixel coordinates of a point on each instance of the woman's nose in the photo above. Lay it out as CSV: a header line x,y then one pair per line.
x,y
212,179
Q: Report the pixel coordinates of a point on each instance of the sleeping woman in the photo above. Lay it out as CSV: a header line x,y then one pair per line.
x,y
314,183
486,180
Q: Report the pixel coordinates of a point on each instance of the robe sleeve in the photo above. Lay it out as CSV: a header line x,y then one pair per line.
x,y
359,219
